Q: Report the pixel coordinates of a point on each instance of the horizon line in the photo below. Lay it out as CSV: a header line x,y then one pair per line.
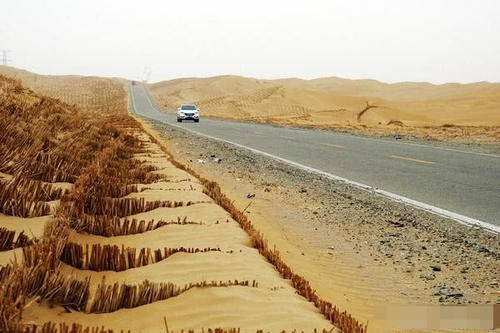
x,y
257,78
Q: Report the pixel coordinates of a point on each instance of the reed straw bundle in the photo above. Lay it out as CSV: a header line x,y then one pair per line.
x,y
113,258
8,241
109,298
110,226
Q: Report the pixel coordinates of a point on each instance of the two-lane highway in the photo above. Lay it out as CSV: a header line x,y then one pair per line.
x,y
459,184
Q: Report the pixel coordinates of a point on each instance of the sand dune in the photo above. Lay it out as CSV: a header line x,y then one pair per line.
x,y
89,92
452,111
337,103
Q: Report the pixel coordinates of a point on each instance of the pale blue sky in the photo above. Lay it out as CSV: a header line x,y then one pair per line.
x,y
392,40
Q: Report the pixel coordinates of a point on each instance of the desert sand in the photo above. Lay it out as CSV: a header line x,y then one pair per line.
x,y
448,111
273,305
445,112
113,232
275,298
88,92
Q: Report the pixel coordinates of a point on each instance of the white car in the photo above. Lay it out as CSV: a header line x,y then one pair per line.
x,y
188,111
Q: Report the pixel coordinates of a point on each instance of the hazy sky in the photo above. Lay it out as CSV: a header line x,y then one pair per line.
x,y
389,40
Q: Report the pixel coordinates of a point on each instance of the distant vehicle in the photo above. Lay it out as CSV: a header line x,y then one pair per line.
x,y
188,112
134,83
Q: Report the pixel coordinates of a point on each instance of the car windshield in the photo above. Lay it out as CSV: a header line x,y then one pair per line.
x,y
188,107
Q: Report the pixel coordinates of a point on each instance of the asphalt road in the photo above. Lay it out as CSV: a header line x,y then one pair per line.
x,y
460,182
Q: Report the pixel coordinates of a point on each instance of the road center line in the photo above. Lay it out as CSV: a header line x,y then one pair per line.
x,y
287,137
410,159
332,145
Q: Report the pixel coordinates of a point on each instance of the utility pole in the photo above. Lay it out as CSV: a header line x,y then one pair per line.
x,y
5,58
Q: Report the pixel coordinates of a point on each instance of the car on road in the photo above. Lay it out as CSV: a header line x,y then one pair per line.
x,y
188,112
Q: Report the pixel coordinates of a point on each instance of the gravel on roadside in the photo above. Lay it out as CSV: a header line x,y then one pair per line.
x,y
458,264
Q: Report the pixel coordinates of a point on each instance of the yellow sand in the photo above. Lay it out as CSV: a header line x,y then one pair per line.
x,y
32,227
89,92
184,268
166,195
178,186
244,307
227,236
203,212
336,102
8,257
4,176
273,306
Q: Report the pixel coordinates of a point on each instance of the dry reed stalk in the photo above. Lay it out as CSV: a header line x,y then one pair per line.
x,y
25,282
46,167
46,251
113,258
45,140
8,241
51,327
109,298
33,189
48,140
128,206
110,226
12,299
57,288
5,271
22,198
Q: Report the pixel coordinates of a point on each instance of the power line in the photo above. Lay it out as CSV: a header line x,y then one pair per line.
x,y
5,58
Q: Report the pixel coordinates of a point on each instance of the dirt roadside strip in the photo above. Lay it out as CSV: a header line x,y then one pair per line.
x,y
365,252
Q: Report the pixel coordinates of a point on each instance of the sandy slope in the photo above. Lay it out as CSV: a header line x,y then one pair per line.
x,y
89,92
274,305
336,103
250,309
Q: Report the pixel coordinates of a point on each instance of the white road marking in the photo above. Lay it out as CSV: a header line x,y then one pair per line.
x,y
469,221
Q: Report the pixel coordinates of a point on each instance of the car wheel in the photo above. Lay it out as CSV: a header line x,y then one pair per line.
x,y
197,120
179,120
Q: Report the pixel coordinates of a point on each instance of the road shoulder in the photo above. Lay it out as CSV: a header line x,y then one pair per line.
x,y
360,249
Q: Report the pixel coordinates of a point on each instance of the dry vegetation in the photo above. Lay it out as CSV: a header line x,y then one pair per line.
x,y
78,168
442,112
90,93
